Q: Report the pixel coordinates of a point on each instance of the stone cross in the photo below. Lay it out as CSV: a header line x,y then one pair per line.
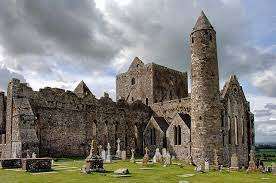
x,y
93,149
146,157
132,159
118,152
108,157
146,151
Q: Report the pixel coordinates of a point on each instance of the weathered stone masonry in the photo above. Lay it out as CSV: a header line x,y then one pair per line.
x,y
153,109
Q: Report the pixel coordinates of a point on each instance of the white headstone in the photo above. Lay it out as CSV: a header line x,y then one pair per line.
x,y
167,161
33,155
108,157
123,154
198,168
157,158
103,155
164,152
118,152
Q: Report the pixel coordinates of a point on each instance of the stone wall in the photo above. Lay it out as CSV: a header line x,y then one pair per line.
x,y
136,83
64,124
2,113
168,84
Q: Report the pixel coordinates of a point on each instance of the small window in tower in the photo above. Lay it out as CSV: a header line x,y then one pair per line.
x,y
132,99
133,81
147,101
193,40
200,118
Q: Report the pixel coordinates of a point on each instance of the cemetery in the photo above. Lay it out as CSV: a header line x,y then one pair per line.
x,y
102,166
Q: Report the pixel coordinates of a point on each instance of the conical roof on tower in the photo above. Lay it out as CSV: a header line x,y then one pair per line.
x,y
202,22
82,90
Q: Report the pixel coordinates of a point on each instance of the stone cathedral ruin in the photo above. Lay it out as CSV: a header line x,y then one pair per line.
x,y
153,110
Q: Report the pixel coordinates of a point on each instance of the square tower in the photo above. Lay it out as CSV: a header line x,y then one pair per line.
x,y
151,83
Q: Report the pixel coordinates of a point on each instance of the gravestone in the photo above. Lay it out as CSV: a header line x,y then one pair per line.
x,y
168,160
33,155
198,169
118,152
103,155
220,168
146,157
108,157
100,148
132,159
252,167
123,154
234,162
164,152
157,158
207,166
93,162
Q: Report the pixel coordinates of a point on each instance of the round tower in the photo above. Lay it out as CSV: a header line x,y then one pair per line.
x,y
205,96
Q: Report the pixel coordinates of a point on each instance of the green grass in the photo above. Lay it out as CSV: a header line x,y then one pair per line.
x,y
68,170
266,154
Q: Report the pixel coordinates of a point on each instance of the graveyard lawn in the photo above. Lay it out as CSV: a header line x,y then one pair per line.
x,y
68,170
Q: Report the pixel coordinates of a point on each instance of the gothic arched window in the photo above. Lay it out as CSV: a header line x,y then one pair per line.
x,y
152,136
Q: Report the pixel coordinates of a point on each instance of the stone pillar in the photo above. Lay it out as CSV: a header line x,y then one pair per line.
x,y
205,95
2,112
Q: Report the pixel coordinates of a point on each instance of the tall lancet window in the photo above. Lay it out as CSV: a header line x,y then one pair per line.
x,y
236,130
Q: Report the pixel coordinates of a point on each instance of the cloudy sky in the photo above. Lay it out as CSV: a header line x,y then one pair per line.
x,y
58,43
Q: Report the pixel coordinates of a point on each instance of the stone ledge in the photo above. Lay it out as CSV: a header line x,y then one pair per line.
x,y
11,163
37,164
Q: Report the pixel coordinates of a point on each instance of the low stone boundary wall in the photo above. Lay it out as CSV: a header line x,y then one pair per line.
x,y
11,163
37,164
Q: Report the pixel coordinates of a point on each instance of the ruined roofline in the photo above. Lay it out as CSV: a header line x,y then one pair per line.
x,y
152,64
55,90
167,68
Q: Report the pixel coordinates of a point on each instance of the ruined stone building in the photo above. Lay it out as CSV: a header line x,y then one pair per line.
x,y
153,109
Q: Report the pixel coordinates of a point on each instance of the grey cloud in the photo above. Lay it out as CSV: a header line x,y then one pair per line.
x,y
6,75
73,29
270,106
159,31
265,131
262,113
